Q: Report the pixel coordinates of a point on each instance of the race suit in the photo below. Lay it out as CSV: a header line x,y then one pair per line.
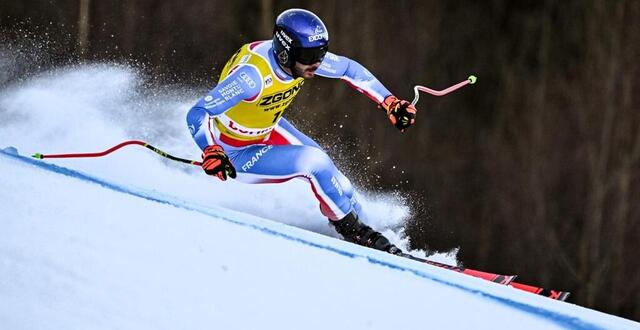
x,y
244,115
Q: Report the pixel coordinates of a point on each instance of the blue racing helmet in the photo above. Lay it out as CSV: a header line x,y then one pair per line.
x,y
299,36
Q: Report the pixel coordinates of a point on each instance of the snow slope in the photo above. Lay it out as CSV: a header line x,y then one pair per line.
x,y
132,241
80,252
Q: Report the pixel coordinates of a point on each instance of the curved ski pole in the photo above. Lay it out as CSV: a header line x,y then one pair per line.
x,y
116,147
417,89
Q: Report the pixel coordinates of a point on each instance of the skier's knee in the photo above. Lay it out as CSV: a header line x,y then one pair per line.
x,y
346,185
316,161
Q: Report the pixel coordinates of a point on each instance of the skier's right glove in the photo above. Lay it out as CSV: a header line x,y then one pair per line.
x,y
216,162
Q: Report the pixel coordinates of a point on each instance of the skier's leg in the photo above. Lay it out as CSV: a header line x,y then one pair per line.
x,y
279,163
328,183
287,134
349,226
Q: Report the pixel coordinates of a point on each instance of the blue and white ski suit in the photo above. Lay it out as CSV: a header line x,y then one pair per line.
x,y
243,114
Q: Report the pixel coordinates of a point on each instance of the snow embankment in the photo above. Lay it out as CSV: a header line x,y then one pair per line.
x,y
79,252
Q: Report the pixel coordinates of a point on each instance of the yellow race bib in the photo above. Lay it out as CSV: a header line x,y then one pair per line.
x,y
252,120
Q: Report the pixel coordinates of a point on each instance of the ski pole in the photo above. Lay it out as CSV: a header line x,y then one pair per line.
x,y
416,89
114,148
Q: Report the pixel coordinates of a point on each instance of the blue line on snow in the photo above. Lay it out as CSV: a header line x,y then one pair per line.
x,y
558,318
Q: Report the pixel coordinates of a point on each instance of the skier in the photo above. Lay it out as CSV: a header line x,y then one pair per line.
x,y
240,127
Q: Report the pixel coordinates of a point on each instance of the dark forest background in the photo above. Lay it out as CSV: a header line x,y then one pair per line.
x,y
535,170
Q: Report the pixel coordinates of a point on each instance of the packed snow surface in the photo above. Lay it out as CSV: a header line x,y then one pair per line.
x,y
134,241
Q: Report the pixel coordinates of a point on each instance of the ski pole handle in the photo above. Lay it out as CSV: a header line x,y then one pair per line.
x,y
417,89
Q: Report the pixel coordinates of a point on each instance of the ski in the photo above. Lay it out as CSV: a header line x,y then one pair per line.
x,y
553,294
497,278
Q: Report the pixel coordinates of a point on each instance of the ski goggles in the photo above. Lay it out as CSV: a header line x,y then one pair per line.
x,y
308,56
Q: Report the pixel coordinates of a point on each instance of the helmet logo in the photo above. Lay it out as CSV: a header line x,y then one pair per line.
x,y
286,37
285,44
283,57
315,37
319,34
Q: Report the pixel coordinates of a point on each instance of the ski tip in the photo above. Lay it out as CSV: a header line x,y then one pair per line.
x,y
557,295
472,79
495,278
507,279
564,296
10,150
37,155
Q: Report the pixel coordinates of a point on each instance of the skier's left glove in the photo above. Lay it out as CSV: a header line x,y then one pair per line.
x,y
401,113
216,162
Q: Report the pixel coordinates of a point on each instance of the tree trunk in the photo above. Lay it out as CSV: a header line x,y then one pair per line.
x,y
83,28
266,14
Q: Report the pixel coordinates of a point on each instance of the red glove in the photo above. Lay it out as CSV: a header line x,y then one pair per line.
x,y
216,162
401,113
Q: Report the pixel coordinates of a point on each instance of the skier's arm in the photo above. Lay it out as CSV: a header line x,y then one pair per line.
x,y
243,83
354,74
401,113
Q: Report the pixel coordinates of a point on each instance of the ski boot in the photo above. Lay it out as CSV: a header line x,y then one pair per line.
x,y
354,231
